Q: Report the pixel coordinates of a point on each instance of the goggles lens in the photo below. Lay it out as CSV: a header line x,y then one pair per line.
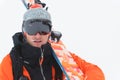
x,y
35,27
41,33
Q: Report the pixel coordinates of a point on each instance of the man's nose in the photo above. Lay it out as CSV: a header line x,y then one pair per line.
x,y
38,34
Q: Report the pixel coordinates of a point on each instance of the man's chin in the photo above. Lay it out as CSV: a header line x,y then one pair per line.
x,y
37,45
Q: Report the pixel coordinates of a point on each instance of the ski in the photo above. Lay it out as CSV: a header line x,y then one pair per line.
x,y
33,4
66,62
25,4
59,63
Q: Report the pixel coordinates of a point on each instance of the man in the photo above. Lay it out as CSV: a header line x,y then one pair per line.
x,y
32,57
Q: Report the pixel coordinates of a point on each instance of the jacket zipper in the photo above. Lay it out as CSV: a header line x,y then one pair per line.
x,y
40,61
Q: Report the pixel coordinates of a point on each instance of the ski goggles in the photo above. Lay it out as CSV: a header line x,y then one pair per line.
x,y
34,27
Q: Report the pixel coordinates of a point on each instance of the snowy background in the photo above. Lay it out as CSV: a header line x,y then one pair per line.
x,y
90,28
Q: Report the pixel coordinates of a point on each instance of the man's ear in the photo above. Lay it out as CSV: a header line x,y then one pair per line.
x,y
24,34
49,34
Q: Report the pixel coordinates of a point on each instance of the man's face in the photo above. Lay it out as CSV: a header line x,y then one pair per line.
x,y
38,39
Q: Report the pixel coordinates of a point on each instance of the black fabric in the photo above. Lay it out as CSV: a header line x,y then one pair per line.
x,y
58,71
16,64
29,56
18,39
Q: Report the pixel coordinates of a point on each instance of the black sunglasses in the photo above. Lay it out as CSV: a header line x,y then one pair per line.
x,y
41,33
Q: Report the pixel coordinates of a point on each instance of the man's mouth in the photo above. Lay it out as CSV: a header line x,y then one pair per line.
x,y
37,41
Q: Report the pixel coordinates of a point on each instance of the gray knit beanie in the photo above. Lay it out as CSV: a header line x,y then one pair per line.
x,y
36,20
36,13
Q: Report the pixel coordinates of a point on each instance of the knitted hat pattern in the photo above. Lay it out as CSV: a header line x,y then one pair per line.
x,y
37,13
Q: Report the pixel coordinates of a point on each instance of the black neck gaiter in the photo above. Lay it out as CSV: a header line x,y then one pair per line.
x,y
32,55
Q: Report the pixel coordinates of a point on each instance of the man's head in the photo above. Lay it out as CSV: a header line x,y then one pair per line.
x,y
36,20
36,26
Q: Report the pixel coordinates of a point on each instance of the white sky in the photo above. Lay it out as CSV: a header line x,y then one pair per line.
x,y
90,28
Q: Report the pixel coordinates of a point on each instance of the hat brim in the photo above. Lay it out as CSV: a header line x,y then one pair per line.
x,y
33,28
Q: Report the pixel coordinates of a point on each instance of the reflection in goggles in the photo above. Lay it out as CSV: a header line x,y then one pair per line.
x,y
41,33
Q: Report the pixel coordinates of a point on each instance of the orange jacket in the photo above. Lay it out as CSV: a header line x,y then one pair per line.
x,y
90,71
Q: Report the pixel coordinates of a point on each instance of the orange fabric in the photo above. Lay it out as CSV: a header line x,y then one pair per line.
x,y
6,70
91,71
53,71
68,63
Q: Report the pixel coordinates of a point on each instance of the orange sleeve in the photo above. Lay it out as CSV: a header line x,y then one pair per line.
x,y
91,71
6,69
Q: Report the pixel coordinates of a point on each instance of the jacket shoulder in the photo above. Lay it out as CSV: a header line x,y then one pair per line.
x,y
91,71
